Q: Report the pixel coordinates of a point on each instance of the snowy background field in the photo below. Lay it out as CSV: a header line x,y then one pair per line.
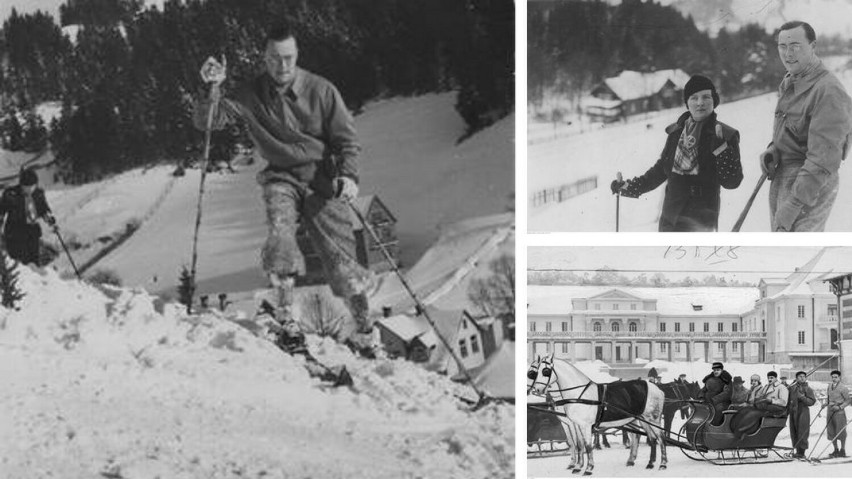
x,y
567,155
611,462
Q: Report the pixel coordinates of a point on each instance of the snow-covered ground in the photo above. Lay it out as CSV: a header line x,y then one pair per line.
x,y
611,462
114,383
632,148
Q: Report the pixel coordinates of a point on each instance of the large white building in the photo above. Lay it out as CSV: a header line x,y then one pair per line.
x,y
784,320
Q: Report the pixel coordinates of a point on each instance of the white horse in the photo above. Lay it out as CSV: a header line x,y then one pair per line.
x,y
563,381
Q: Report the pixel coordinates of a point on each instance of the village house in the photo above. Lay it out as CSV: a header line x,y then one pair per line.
x,y
632,92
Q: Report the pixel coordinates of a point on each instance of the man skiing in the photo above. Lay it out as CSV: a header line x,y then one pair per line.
x,y
838,400
301,127
801,398
20,208
811,135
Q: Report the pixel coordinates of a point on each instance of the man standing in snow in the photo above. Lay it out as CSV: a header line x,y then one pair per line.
x,y
20,208
801,398
811,135
838,400
301,127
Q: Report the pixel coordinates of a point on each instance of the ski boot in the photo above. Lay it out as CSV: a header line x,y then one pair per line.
x,y
363,341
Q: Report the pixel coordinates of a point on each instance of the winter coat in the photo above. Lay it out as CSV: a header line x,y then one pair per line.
x,y
739,395
776,395
691,202
716,390
801,397
755,393
813,129
13,211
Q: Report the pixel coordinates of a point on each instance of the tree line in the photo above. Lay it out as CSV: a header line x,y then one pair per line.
x,y
128,80
609,277
575,45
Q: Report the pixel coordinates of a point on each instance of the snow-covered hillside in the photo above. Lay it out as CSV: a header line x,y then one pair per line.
x,y
114,383
632,148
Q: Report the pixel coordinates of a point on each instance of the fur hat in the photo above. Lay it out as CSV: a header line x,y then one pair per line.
x,y
772,374
835,372
28,178
699,83
755,377
717,365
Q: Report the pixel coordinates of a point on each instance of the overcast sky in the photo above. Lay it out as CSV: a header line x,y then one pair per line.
x,y
745,263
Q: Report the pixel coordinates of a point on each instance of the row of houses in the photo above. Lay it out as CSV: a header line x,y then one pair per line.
x,y
633,92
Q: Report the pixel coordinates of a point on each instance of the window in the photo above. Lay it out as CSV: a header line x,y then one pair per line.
x,y
474,345
801,337
532,326
463,348
662,327
832,310
720,346
632,307
597,306
677,327
691,327
615,306
662,347
547,326
801,311
735,347
720,327
616,327
677,347
596,327
763,325
734,327
464,323
564,348
633,327
706,327
564,326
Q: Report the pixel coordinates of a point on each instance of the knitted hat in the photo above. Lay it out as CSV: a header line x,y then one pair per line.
x,y
755,377
717,365
699,83
28,178
772,374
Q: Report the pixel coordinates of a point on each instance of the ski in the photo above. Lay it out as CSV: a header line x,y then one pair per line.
x,y
827,460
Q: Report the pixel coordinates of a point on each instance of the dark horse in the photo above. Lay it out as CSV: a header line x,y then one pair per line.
x,y
677,396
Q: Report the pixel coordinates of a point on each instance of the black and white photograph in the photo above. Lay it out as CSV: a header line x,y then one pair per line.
x,y
695,116
257,239
688,361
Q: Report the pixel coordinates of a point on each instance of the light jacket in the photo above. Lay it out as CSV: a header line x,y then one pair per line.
x,y
813,129
777,394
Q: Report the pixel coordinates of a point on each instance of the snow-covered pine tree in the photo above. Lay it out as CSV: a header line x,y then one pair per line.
x,y
9,281
186,289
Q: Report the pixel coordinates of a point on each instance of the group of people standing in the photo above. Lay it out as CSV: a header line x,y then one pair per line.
x,y
776,399
811,137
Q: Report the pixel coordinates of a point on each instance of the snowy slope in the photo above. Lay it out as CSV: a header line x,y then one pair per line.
x,y
113,383
632,148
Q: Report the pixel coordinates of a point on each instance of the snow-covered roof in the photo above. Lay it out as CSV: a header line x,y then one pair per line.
x,y
71,31
406,327
363,204
630,85
595,102
497,378
410,327
810,278
553,300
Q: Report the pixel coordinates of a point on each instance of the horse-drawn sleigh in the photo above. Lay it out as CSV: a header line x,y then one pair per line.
x,y
637,407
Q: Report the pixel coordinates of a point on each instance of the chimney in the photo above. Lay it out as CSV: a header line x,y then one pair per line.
x,y
387,311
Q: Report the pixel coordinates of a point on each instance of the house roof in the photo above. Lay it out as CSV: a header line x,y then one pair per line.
x,y
409,328
363,204
496,378
552,300
810,278
630,85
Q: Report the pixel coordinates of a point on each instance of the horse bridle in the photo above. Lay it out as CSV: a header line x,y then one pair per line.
x,y
550,373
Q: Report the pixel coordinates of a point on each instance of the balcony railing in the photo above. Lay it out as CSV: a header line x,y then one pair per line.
x,y
610,335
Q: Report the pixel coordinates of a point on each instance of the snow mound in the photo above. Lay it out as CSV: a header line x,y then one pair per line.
x,y
112,382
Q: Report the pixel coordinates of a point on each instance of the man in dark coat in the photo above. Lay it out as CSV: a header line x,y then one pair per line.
x,y
701,154
717,391
20,208
801,398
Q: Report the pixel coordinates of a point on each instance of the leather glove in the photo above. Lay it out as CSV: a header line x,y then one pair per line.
x,y
768,162
51,221
345,188
616,186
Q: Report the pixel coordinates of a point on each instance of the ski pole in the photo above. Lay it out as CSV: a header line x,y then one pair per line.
x,y
827,421
618,178
67,253
831,441
420,307
811,424
208,131
750,201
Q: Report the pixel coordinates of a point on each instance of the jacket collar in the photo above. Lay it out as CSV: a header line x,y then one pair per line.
x,y
294,91
805,80
681,122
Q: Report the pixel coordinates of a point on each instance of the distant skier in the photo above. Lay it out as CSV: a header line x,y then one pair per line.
x,y
701,154
301,127
813,124
20,208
